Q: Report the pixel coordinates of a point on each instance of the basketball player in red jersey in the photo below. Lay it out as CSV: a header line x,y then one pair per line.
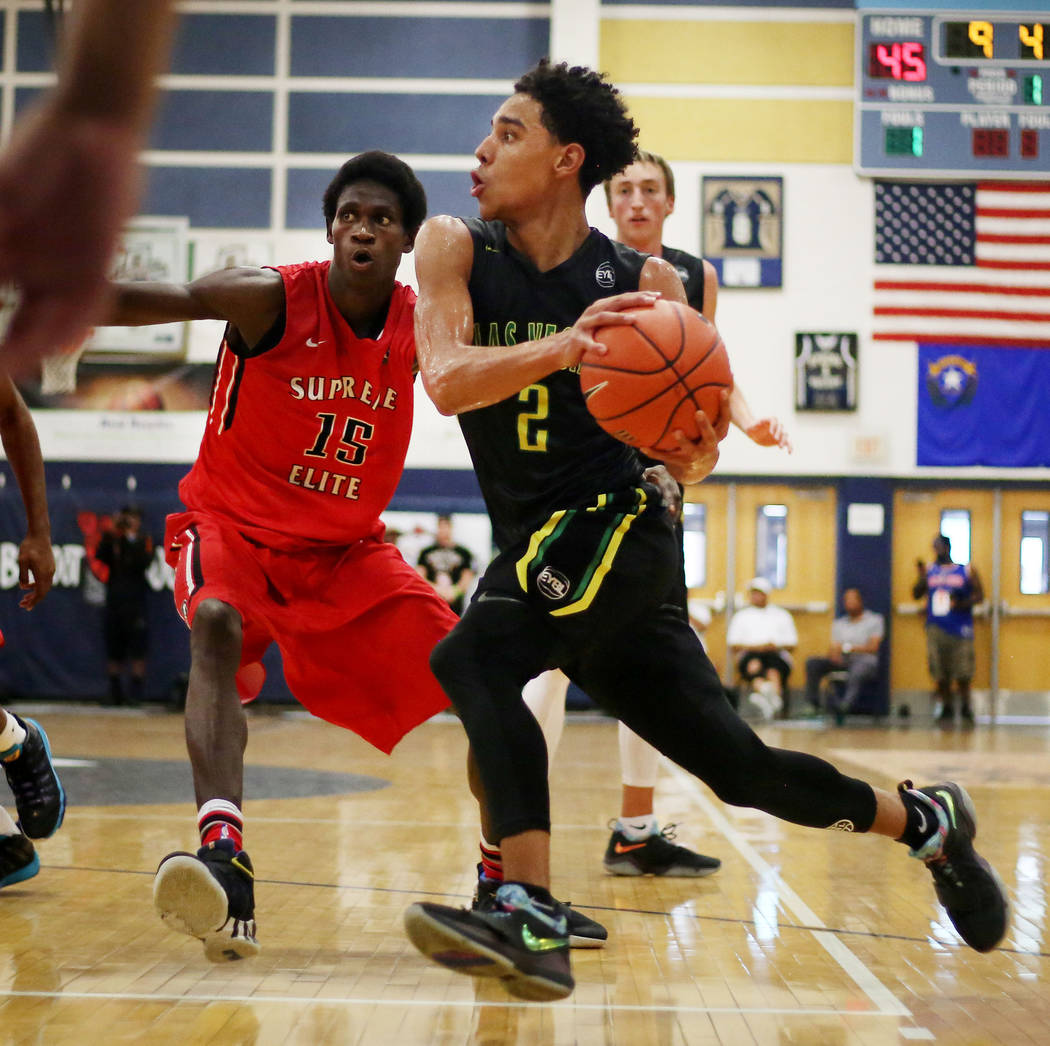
x,y
281,541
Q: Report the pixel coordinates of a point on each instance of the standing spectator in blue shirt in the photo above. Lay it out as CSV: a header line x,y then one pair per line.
x,y
951,591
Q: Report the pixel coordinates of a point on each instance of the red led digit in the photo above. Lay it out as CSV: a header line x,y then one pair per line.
x,y
889,58
914,61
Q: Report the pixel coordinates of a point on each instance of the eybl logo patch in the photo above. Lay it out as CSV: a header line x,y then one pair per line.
x,y
605,276
552,583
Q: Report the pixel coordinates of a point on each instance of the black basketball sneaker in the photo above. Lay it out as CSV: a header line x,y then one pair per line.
x,y
523,939
966,884
210,896
39,797
583,932
657,854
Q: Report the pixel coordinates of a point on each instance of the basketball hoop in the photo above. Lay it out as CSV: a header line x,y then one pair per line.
x,y
58,373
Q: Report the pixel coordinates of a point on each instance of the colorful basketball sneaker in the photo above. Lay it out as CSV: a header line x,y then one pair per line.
x,y
655,855
210,896
18,859
583,932
39,797
967,885
523,939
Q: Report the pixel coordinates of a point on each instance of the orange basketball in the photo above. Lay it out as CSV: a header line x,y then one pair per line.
x,y
656,374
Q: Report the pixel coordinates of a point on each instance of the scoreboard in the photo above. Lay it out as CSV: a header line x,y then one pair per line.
x,y
953,94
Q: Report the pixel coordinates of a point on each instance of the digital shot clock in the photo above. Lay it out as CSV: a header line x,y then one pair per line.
x,y
953,94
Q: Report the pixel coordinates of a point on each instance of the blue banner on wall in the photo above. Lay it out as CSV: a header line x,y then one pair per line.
x,y
983,406
57,650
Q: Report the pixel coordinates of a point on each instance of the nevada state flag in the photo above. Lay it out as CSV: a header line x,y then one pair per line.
x,y
963,270
983,406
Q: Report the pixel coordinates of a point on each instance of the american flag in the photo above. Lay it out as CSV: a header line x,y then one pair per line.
x,y
963,263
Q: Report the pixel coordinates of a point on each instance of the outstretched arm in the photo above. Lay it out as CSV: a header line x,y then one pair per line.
x,y
766,432
36,561
67,177
249,299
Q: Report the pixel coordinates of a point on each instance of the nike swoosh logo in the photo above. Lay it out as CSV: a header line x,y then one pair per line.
x,y
950,804
922,821
542,944
621,849
311,344
492,249
588,393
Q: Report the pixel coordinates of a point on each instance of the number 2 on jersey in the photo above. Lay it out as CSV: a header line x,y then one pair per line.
x,y
530,436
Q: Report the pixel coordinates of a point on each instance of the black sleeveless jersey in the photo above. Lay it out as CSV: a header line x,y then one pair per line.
x,y
541,450
691,271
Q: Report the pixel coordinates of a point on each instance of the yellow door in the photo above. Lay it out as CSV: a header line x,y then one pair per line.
x,y
706,560
1024,654
916,522
809,581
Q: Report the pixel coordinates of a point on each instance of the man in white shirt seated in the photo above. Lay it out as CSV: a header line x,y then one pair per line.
x,y
855,641
761,638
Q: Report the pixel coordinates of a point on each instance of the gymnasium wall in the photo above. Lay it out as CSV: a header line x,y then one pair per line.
x,y
266,98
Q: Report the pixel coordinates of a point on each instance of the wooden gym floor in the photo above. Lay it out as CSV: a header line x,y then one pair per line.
x,y
802,937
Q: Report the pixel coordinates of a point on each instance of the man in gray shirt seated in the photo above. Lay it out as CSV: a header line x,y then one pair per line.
x,y
855,639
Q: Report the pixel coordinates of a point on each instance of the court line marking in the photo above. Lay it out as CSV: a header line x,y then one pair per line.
x,y
885,1001
105,812
316,1000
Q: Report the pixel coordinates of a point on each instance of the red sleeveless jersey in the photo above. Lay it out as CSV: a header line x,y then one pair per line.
x,y
305,441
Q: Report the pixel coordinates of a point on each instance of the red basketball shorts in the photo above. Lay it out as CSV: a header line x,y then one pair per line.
x,y
355,625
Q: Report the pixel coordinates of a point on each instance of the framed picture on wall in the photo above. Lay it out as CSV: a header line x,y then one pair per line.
x,y
150,249
826,371
742,224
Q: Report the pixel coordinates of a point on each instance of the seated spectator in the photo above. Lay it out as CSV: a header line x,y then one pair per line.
x,y
447,566
855,641
760,639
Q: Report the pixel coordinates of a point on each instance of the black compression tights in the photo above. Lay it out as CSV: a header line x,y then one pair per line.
x,y
661,684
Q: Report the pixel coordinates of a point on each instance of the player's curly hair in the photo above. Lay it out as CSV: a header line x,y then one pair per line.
x,y
388,170
581,106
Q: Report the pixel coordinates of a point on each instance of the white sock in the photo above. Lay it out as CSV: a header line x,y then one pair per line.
x,y
11,736
7,826
638,828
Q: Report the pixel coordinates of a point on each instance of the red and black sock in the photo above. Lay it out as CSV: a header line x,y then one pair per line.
x,y
220,819
491,861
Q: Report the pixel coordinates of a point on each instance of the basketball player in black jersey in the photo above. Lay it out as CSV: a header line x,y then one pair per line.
x,y
508,307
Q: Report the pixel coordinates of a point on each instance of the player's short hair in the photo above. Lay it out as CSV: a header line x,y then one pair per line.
x,y
387,170
580,106
644,156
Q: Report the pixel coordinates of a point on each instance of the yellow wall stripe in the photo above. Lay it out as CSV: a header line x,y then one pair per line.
x,y
815,53
768,131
